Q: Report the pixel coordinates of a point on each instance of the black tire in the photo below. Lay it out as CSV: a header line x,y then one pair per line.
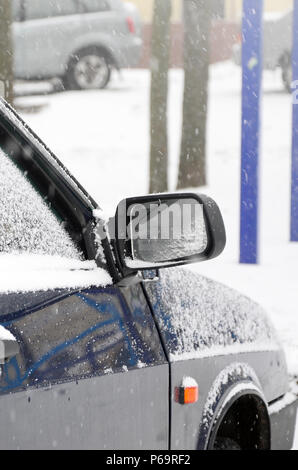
x,y
88,69
286,65
225,443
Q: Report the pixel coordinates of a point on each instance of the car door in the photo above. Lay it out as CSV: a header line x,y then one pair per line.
x,y
91,371
90,374
46,36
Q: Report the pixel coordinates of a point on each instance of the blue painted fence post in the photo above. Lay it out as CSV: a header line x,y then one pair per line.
x,y
294,199
252,64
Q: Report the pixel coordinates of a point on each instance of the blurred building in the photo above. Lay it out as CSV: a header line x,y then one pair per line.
x,y
225,32
233,8
230,9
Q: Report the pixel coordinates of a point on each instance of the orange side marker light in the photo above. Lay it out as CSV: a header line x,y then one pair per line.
x,y
188,392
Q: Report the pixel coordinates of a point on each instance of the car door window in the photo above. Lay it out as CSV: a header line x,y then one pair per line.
x,y
27,223
36,9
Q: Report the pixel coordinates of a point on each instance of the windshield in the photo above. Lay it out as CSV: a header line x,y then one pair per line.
x,y
28,225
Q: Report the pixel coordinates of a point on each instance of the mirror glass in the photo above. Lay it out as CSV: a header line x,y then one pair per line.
x,y
161,232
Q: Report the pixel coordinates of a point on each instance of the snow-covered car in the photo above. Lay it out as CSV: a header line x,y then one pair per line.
x,y
111,343
79,41
278,40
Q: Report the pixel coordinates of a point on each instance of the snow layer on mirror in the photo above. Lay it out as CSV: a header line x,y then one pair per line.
x,y
199,317
26,222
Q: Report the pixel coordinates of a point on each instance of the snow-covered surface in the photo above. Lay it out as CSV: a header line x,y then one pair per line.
x,y
138,264
287,400
200,318
27,224
275,15
5,335
216,351
29,272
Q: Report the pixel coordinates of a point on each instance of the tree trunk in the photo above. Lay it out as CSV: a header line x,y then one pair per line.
x,y
159,96
197,21
6,54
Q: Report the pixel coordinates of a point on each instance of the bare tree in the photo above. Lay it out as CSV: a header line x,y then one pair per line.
x,y
6,54
197,21
159,96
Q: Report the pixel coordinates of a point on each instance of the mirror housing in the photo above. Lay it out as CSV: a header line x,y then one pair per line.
x,y
166,230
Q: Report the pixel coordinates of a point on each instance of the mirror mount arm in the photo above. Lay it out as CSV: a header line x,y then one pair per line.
x,y
137,278
130,280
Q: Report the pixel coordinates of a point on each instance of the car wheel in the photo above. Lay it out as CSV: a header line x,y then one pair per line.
x,y
225,443
287,73
88,70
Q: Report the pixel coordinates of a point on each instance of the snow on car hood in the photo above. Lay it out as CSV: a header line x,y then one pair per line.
x,y
199,317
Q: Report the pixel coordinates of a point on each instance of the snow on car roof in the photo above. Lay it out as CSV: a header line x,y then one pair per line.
x,y
5,335
32,273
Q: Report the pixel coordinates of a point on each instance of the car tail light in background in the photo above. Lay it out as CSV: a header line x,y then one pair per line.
x,y
131,25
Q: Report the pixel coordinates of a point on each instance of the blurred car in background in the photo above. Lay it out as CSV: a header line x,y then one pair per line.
x,y
79,41
277,45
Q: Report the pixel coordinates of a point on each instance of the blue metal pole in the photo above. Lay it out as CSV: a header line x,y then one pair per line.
x,y
294,198
252,64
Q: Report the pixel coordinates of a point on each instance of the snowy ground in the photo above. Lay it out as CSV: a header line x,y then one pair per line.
x,y
102,136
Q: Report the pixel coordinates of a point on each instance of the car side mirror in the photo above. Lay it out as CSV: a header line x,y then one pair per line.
x,y
165,230
8,345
